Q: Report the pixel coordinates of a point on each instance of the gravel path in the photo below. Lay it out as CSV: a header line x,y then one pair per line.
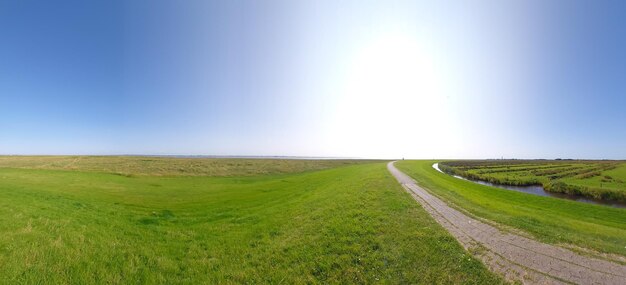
x,y
515,257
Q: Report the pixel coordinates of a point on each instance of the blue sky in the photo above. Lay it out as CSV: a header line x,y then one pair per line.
x,y
385,79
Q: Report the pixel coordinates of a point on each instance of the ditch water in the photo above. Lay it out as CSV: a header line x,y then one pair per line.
x,y
538,190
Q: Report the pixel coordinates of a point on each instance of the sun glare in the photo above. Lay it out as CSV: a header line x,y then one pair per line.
x,y
391,84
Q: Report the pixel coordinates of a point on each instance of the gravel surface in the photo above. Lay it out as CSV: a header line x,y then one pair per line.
x,y
515,257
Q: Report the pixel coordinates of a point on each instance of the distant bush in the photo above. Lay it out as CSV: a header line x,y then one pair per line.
x,y
588,175
596,193
557,186
607,194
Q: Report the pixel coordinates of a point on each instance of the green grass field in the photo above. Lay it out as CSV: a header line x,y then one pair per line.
x,y
76,220
548,219
604,180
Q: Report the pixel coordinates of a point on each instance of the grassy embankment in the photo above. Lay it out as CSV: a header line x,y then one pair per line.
x,y
549,219
604,180
347,224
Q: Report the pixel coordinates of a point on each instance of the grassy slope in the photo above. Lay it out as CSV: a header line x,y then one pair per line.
x,y
549,219
345,225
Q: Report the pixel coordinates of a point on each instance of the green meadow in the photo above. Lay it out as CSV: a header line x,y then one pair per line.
x,y
558,221
145,220
613,179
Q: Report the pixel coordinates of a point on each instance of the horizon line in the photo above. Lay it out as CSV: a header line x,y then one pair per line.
x,y
301,157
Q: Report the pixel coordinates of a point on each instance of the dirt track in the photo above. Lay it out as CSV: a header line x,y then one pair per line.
x,y
514,256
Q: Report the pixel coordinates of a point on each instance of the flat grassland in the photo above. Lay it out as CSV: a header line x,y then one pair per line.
x,y
551,220
172,166
605,180
135,220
